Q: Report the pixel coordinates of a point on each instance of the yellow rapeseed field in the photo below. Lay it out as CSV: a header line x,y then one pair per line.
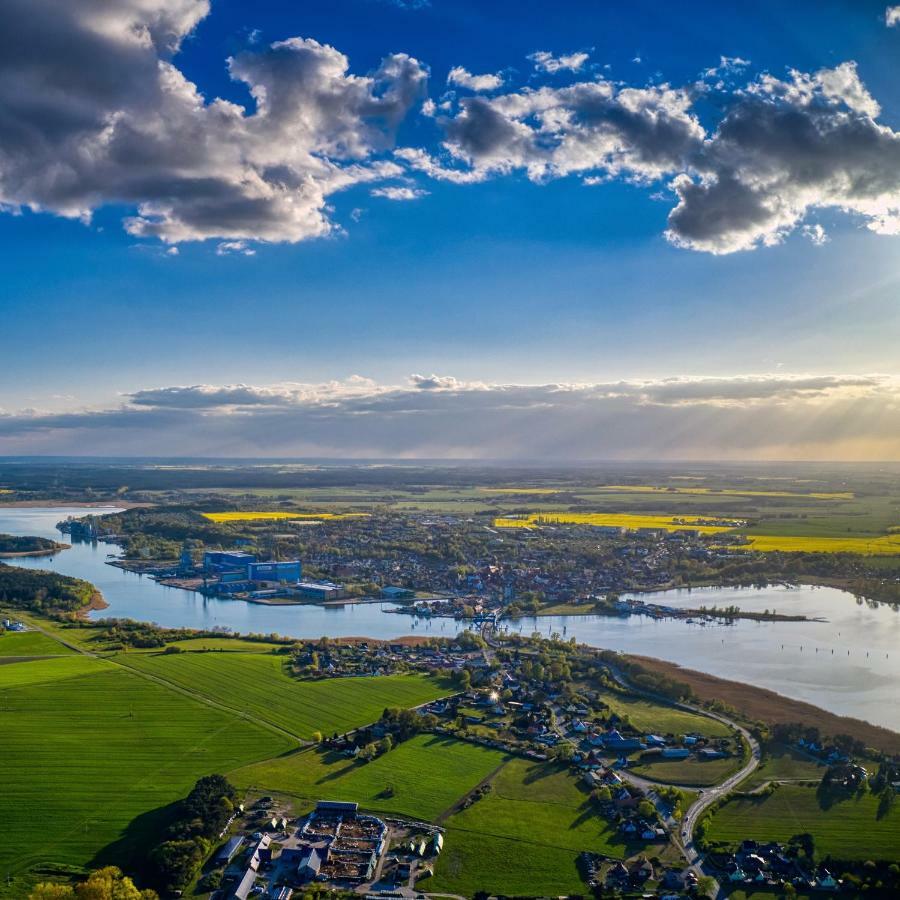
x,y
261,516
726,492
617,520
889,545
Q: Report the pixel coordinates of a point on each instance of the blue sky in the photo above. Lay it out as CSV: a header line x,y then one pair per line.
x,y
515,279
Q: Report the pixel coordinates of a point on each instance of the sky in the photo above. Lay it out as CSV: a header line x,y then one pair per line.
x,y
400,228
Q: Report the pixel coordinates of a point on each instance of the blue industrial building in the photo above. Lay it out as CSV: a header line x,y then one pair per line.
x,y
233,566
275,571
216,562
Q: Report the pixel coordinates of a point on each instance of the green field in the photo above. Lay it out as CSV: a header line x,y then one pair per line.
x,y
848,828
524,837
784,763
90,754
29,643
657,718
423,777
689,772
41,671
257,684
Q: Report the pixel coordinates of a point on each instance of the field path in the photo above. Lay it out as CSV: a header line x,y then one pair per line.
x,y
193,695
458,804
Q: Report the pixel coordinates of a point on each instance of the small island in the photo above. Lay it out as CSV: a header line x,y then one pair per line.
x,y
13,545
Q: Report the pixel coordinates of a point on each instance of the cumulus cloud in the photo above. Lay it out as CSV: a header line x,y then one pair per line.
x,y
438,416
94,110
892,16
544,61
463,78
782,148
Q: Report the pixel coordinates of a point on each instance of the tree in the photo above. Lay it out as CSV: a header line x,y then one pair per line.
x,y
104,884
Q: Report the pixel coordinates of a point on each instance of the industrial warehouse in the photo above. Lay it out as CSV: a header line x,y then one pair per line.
x,y
334,845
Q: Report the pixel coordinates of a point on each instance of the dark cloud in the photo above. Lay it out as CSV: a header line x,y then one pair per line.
x,y
774,417
94,111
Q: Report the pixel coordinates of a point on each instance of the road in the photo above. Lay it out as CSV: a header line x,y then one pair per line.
x,y
684,839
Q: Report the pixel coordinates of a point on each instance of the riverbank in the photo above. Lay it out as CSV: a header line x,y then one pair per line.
x,y
57,504
51,551
770,707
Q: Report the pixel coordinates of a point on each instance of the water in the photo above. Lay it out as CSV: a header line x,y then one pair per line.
x,y
849,664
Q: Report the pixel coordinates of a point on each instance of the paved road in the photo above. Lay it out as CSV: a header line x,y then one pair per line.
x,y
684,839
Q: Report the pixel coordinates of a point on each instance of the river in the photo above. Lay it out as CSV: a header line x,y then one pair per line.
x,y
849,664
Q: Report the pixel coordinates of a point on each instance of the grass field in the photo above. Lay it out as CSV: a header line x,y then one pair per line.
x,y
41,671
689,772
30,643
256,683
422,777
269,516
89,753
848,828
785,763
657,718
524,837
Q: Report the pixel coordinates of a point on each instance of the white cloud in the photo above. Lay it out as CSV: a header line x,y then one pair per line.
x,y
94,111
544,61
773,416
227,248
892,16
463,78
393,192
783,147
816,234
727,65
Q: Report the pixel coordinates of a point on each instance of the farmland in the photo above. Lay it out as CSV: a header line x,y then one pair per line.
x,y
848,827
90,754
29,643
616,520
536,815
423,777
274,516
885,545
257,684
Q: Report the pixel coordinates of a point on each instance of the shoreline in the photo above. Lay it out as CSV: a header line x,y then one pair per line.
x,y
72,504
770,707
26,553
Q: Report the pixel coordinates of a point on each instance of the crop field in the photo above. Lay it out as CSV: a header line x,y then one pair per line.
x,y
886,545
690,772
848,828
726,492
658,718
270,516
524,836
423,777
30,643
41,671
256,683
88,760
616,520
